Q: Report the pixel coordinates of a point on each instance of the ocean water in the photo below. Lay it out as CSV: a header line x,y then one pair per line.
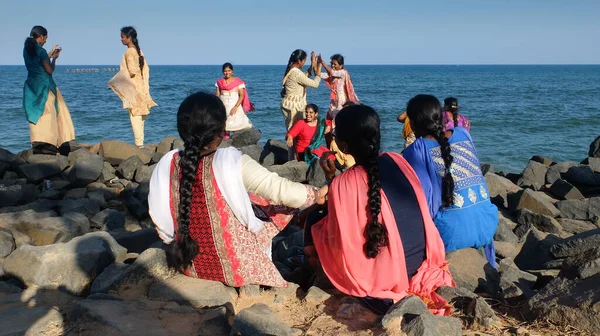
x,y
516,110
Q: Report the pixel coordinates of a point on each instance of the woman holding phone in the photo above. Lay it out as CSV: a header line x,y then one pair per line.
x,y
50,124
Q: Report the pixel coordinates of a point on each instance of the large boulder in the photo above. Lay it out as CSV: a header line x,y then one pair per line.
x,y
504,231
115,152
513,281
575,226
403,312
582,209
86,169
144,173
253,151
108,219
565,190
583,265
44,167
569,302
107,173
534,175
16,192
280,150
499,188
595,148
544,223
555,172
471,270
128,167
84,206
52,230
7,156
246,137
166,145
36,206
315,175
534,201
576,244
259,319
535,252
593,163
292,170
582,175
185,290
71,267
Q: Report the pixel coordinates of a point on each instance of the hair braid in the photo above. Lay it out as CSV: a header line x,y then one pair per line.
x,y
135,42
447,180
375,232
454,112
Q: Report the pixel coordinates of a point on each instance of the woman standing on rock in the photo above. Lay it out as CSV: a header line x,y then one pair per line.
x,y
50,124
377,240
234,95
132,84
294,84
217,209
338,80
449,170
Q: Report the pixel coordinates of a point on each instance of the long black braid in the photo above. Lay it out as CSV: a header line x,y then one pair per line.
x,y
131,32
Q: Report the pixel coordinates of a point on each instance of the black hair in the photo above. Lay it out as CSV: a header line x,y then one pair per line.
x,y
314,107
451,104
338,58
358,127
296,56
425,113
131,32
200,119
227,65
31,43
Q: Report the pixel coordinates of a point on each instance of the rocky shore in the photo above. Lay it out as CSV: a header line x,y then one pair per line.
x,y
79,256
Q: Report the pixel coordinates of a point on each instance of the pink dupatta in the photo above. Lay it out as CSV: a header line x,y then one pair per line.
x,y
247,106
348,87
339,240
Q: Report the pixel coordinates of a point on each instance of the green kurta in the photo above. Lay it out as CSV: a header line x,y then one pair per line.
x,y
37,85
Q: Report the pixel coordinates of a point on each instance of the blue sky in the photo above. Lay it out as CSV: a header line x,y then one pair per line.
x,y
266,32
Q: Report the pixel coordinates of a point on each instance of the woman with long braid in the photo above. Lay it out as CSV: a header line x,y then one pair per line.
x,y
449,170
452,118
377,240
294,84
132,84
217,209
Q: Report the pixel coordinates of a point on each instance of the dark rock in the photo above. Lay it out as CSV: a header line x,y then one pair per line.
x,y
499,188
543,160
544,223
136,208
144,173
293,170
576,244
315,175
98,196
565,190
50,194
84,206
593,163
115,152
471,270
459,297
36,206
76,193
77,154
70,266
582,175
253,151
4,166
403,312
215,321
7,242
128,167
315,296
107,173
583,209
7,156
267,158
595,148
198,293
86,169
16,192
425,325
259,320
157,156
534,175
279,149
226,143
504,231
246,137
108,219
555,172
534,201
178,144
575,226
166,145
8,288
486,168
513,281
43,169
554,264
482,312
583,265
536,250
138,241
109,193
569,302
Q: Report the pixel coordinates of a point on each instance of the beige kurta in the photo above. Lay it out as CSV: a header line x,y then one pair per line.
x,y
134,92
294,102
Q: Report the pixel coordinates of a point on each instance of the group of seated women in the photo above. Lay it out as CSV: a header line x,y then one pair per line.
x,y
385,224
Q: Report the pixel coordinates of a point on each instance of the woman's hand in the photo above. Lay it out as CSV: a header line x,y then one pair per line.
x,y
328,164
313,57
323,195
234,110
290,141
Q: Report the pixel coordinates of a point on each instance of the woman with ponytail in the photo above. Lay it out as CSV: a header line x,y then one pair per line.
x,y
294,84
50,124
449,170
452,118
217,209
132,84
377,241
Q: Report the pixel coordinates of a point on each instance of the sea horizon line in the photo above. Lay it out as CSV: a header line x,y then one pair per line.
x,y
365,64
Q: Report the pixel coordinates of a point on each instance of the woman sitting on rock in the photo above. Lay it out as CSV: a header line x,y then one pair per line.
x,y
309,134
450,173
216,208
377,240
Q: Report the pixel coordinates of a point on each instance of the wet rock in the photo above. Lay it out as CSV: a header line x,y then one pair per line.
x,y
471,270
138,241
292,170
246,137
536,250
534,201
499,188
582,209
527,219
425,325
253,151
534,175
569,302
70,266
44,168
504,231
402,312
565,190
582,175
583,265
128,167
52,230
595,148
576,244
575,226
279,149
259,320
15,192
86,169
84,206
115,152
315,296
108,219
555,172
513,281
198,293
144,173
7,242
23,320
